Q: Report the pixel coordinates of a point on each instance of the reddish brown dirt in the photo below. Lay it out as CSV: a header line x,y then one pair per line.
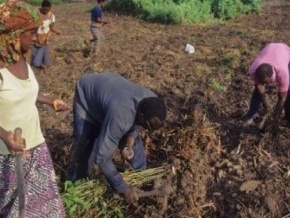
x,y
223,170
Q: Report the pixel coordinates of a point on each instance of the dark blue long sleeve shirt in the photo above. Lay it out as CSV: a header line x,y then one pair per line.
x,y
110,101
96,13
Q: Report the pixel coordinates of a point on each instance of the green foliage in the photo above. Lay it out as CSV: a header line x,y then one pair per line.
x,y
38,2
185,11
224,9
182,12
82,196
91,197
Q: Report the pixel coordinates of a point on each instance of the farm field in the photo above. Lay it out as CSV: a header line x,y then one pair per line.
x,y
223,170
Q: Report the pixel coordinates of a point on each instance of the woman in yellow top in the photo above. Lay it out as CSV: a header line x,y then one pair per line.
x,y
18,98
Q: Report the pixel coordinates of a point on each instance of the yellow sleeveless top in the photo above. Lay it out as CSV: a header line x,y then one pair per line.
x,y
18,108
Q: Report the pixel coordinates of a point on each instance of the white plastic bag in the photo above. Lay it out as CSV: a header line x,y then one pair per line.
x,y
189,49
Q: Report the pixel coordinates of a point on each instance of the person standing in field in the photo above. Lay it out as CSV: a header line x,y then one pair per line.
x,y
97,23
271,66
41,51
110,111
18,97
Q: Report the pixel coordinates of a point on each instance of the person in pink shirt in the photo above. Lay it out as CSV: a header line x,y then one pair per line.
x,y
271,66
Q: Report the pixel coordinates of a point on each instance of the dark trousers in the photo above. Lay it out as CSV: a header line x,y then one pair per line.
x,y
82,157
40,56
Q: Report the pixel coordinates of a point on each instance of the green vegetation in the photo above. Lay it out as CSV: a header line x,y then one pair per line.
x,y
38,2
179,11
93,199
224,9
185,11
81,196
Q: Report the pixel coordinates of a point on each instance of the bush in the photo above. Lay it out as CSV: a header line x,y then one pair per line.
x,y
185,11
38,2
225,9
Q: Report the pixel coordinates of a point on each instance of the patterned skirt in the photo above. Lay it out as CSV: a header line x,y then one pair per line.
x,y
42,196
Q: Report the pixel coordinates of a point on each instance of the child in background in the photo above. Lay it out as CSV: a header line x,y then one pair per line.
x,y
40,53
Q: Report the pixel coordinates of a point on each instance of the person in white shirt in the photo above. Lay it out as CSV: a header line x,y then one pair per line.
x,y
40,53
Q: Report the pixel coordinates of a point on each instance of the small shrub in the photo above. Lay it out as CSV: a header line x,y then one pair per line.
x,y
225,9
38,2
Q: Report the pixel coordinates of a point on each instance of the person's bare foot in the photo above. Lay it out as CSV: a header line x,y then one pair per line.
x,y
44,69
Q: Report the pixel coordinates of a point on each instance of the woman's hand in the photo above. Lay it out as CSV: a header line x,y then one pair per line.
x,y
60,105
57,104
15,146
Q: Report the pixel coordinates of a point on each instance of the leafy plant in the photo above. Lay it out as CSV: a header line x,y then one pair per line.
x,y
92,197
225,9
76,200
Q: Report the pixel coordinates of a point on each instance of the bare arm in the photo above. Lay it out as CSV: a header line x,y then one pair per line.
x,y
42,99
57,104
261,91
52,29
279,106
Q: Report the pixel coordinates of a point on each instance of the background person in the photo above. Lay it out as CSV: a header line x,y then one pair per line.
x,y
41,51
96,23
271,66
18,98
109,109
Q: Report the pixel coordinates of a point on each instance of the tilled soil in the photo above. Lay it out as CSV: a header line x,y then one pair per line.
x,y
223,170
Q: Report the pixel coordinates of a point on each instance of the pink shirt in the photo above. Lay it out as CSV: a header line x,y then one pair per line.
x,y
278,56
